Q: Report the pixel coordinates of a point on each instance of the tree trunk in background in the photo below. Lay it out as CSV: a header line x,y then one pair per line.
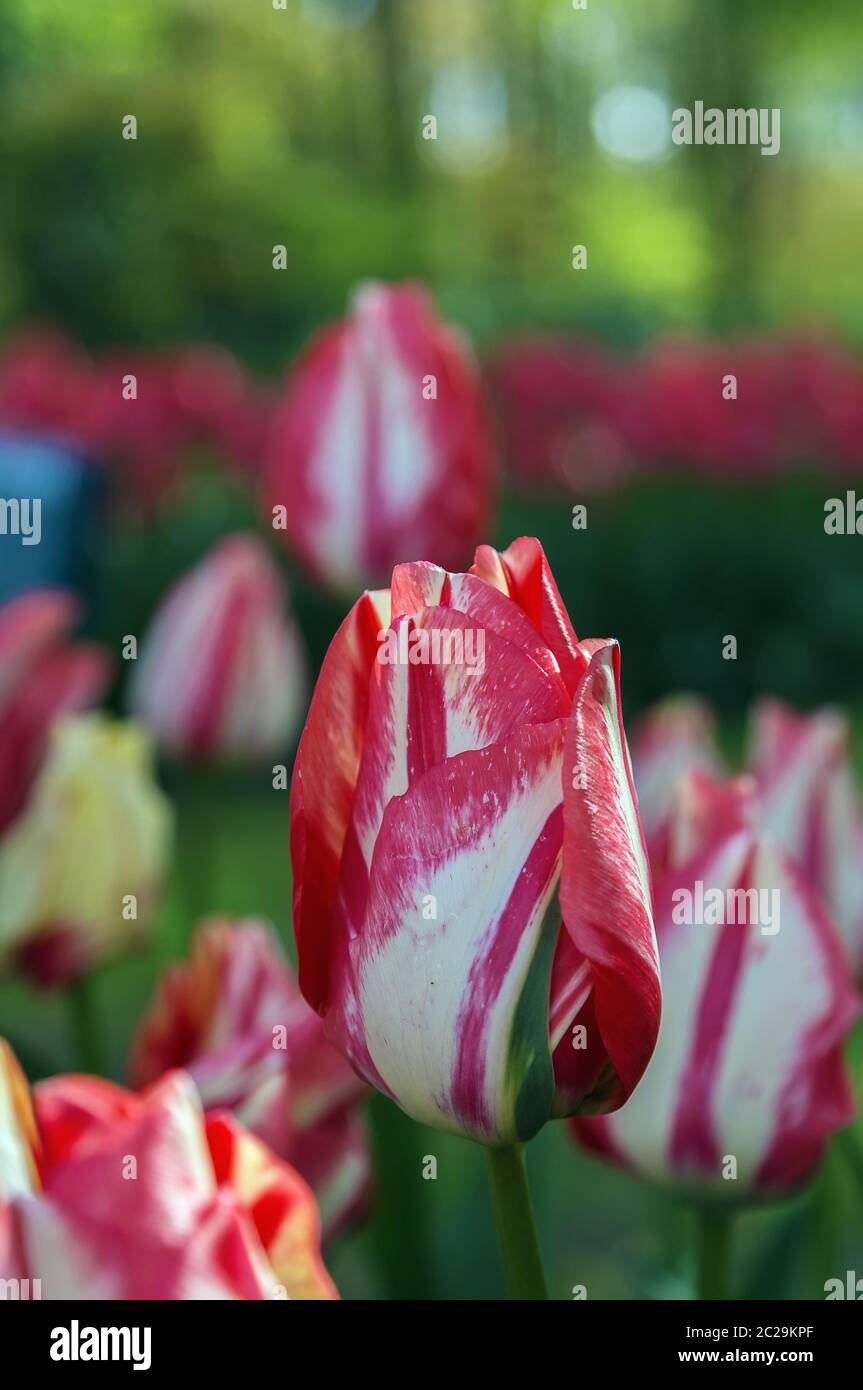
x,y
400,124
721,69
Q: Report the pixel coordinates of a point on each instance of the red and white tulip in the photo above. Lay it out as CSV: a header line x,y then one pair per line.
x,y
108,1195
379,447
233,1017
436,809
747,1083
222,670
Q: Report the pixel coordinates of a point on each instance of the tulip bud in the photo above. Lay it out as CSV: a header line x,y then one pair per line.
x,y
81,867
438,803
234,1018
222,672
379,446
747,1082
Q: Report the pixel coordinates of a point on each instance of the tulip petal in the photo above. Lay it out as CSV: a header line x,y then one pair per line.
x,y
324,781
75,1112
453,1007
775,1118
232,1015
420,585
29,625
19,1142
421,714
605,889
497,613
748,1062
672,739
41,678
335,1158
280,1204
60,682
235,985
706,809
810,804
531,584
415,585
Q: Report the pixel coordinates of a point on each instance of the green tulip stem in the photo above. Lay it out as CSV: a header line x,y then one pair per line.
x,y
84,1026
714,1252
516,1231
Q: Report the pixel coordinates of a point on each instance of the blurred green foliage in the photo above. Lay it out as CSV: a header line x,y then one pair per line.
x,y
303,127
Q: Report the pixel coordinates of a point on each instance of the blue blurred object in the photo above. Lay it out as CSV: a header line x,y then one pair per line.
x,y
68,489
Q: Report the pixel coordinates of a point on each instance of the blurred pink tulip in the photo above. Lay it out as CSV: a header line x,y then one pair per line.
x,y
145,432
561,405
686,418
224,408
107,1195
193,395
222,670
378,448
824,404
49,387
43,675
747,1083
234,1018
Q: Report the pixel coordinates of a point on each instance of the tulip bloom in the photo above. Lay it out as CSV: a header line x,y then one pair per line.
x,y
435,809
108,1195
379,445
233,1017
81,867
747,1082
42,676
222,672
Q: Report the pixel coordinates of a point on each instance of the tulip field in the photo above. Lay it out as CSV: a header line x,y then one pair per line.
x,y
431,663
